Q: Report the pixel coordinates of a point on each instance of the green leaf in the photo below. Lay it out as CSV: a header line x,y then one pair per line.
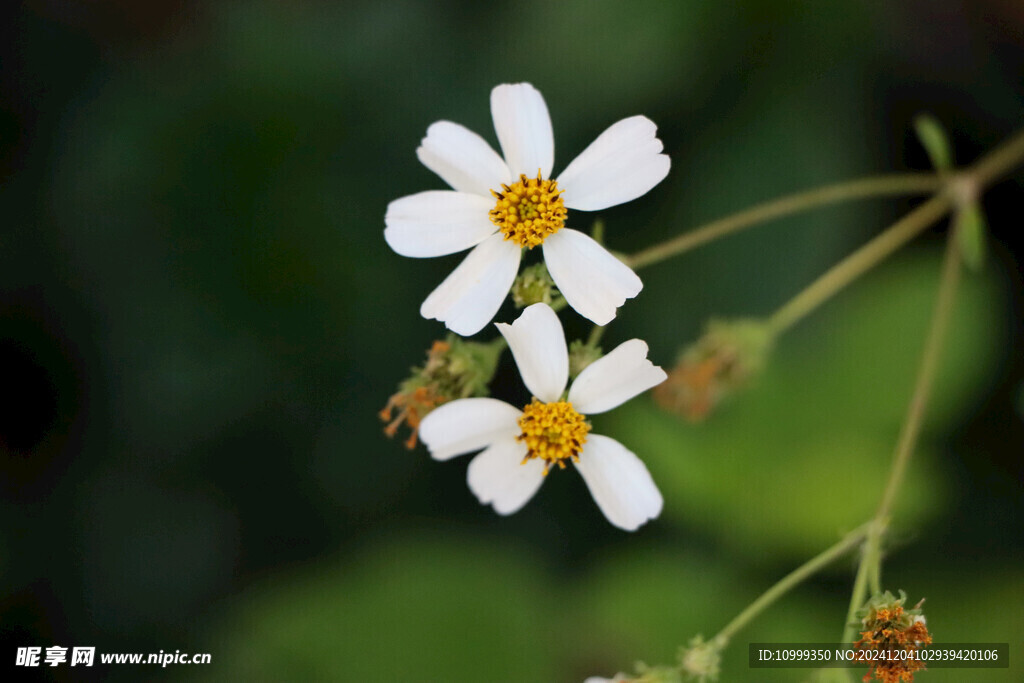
x,y
933,138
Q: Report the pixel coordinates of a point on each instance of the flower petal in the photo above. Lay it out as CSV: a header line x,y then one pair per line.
x,y
499,477
463,159
619,482
614,379
467,425
469,297
622,164
437,222
594,282
537,343
523,126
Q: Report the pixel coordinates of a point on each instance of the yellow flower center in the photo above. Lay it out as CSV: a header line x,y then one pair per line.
x,y
553,432
529,210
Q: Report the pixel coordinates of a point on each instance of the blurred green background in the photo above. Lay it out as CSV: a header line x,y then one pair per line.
x,y
199,320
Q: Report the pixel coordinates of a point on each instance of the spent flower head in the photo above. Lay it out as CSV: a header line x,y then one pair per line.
x,y
890,627
455,368
520,446
499,207
723,361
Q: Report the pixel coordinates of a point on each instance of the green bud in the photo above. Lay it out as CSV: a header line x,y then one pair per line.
x,y
534,286
701,660
581,355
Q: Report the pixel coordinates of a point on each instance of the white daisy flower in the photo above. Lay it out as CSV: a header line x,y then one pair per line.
x,y
499,206
521,446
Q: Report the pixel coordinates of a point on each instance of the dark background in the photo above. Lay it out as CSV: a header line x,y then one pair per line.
x,y
199,320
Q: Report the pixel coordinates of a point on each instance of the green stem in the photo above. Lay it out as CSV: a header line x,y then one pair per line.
x,y
911,429
794,578
959,188
860,587
874,562
595,336
926,374
999,161
880,186
860,261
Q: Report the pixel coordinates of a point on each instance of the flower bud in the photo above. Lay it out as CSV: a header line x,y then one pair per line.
x,y
534,286
581,355
701,660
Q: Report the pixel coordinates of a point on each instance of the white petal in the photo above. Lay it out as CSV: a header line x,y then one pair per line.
x,y
594,282
469,297
463,159
619,482
614,379
623,163
537,343
499,476
466,425
523,126
437,222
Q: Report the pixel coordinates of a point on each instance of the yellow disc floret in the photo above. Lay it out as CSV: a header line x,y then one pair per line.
x,y
529,210
553,432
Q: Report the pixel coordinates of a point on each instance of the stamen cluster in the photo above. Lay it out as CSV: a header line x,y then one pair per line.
x,y
529,210
554,432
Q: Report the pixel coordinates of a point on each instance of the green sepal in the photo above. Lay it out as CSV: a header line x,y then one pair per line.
x,y
935,141
971,227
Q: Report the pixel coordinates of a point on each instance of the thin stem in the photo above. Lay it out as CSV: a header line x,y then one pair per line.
x,y
911,429
926,374
880,186
874,563
860,261
965,185
1004,158
595,336
794,578
860,587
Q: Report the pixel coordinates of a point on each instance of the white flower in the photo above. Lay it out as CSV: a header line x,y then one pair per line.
x,y
520,446
498,206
